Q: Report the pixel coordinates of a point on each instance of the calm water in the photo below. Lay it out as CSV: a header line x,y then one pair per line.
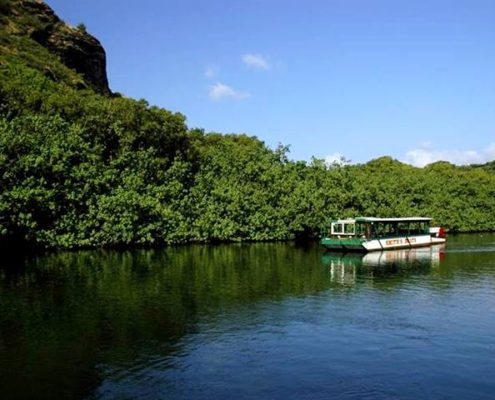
x,y
257,321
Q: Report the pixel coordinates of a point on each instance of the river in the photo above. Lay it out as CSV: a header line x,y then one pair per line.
x,y
250,321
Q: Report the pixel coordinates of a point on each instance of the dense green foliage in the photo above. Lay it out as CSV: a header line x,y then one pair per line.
x,y
78,169
489,166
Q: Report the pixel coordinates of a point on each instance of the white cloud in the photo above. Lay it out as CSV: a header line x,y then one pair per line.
x,y
426,155
210,72
255,61
220,91
336,158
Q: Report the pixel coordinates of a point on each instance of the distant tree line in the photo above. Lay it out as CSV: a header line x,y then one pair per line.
x,y
78,169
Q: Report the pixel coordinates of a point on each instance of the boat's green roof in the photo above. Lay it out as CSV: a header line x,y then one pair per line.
x,y
374,219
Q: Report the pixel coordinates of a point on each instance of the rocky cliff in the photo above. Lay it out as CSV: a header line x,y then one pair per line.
x,y
76,48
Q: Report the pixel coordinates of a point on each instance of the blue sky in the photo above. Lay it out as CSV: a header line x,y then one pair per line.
x,y
361,78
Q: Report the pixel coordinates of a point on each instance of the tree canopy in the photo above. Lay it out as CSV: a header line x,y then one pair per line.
x,y
81,169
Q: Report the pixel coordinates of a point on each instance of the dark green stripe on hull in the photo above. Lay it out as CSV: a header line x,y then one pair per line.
x,y
343,244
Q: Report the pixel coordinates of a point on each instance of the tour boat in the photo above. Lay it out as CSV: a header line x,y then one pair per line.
x,y
372,234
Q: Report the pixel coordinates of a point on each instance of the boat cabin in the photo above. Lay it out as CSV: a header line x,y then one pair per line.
x,y
377,228
372,234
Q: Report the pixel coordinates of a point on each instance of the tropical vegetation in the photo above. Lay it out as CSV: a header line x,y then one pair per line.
x,y
83,169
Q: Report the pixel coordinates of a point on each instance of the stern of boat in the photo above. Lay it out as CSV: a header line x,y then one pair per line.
x,y
438,235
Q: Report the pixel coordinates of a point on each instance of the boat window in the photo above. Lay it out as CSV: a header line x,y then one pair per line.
x,y
379,229
418,228
349,229
389,229
403,228
392,229
360,229
415,228
337,228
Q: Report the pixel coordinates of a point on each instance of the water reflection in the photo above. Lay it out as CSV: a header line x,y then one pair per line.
x,y
346,267
258,320
86,315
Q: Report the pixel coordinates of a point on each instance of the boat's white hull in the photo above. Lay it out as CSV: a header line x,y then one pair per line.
x,y
389,243
398,243
437,240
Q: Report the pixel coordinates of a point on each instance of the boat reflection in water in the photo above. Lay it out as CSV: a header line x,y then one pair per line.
x,y
345,267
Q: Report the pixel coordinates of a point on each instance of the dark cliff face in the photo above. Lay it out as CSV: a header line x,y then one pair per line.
x,y
76,48
83,53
